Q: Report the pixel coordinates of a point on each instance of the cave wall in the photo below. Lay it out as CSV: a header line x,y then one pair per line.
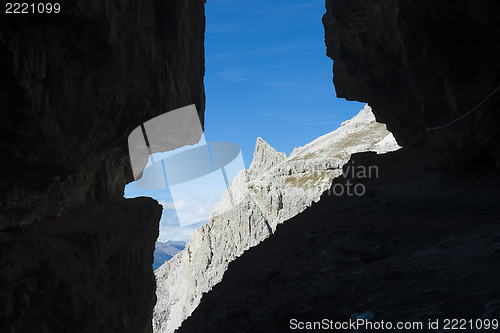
x,y
88,271
74,85
75,255
420,65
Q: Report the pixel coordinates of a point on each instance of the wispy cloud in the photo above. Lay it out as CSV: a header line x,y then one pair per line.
x,y
170,228
285,84
273,9
177,233
167,205
224,29
191,213
236,74
263,51
304,118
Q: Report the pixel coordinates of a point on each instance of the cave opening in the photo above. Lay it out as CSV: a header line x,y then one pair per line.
x,y
267,75
76,256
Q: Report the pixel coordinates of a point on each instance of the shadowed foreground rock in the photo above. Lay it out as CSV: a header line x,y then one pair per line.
x,y
75,256
75,84
87,271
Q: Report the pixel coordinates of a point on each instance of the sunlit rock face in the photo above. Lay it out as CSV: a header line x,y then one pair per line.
x,y
275,188
75,255
420,65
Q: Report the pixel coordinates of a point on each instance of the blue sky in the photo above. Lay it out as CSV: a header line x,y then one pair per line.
x,y
267,75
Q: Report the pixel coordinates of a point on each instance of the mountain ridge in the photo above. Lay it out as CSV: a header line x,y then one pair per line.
x,y
274,189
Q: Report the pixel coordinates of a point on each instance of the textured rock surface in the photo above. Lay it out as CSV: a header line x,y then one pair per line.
x,y
87,271
75,84
420,64
274,189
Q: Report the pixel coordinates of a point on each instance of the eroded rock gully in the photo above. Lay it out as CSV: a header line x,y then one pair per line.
x,y
76,256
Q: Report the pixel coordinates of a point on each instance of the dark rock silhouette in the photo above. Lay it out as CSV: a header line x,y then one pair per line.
x,y
74,85
86,271
75,255
420,65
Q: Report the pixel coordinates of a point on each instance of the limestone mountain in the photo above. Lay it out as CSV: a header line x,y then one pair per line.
x,y
275,188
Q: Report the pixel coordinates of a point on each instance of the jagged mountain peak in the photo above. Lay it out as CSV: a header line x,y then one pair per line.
x,y
265,157
360,133
364,116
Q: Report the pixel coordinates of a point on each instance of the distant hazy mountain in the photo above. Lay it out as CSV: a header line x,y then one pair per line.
x,y
164,251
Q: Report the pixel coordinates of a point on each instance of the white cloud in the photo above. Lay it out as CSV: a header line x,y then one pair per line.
x,y
187,213
263,51
167,205
224,29
177,233
236,75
